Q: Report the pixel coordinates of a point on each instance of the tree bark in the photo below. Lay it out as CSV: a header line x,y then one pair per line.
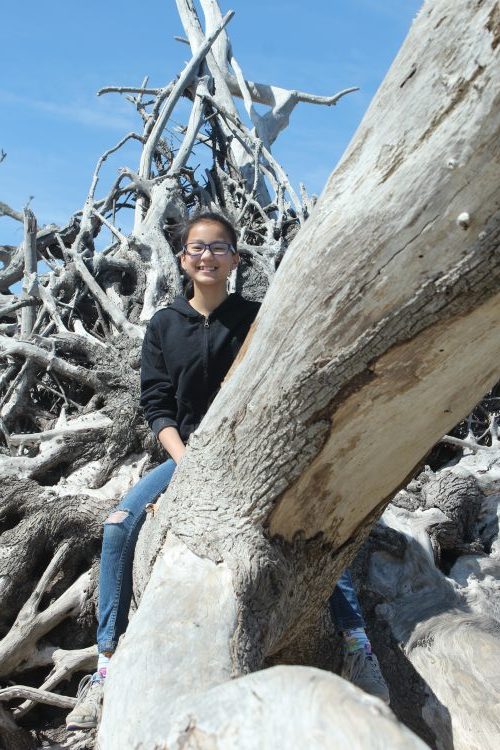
x,y
379,334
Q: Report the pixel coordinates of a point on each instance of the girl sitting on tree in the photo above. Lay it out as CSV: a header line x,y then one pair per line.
x,y
188,349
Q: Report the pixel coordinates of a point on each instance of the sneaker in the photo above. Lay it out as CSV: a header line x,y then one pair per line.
x,y
87,711
363,670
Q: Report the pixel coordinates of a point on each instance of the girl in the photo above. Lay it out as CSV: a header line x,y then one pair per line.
x,y
188,349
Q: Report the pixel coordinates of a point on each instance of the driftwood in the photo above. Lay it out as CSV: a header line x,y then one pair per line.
x,y
377,336
288,707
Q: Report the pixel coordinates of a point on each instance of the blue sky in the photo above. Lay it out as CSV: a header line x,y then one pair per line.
x,y
55,55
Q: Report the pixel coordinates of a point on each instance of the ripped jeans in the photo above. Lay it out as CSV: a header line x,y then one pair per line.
x,y
115,576
117,557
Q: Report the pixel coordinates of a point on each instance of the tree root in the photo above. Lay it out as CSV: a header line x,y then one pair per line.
x,y
31,624
36,695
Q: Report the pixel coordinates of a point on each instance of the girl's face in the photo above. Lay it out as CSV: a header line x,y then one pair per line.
x,y
209,269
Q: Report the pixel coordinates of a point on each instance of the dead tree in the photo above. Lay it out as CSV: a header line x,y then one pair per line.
x,y
377,337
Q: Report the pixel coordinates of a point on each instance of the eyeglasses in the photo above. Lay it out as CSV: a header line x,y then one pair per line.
x,y
196,249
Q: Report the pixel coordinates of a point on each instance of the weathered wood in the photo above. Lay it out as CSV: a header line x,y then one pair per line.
x,y
290,707
72,437
448,626
379,334
30,282
40,696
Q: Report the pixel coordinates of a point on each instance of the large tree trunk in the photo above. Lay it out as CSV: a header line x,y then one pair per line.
x,y
378,335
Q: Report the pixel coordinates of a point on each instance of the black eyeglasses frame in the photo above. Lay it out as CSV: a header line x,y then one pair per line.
x,y
208,246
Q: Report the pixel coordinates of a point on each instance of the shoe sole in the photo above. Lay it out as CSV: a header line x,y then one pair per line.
x,y
74,726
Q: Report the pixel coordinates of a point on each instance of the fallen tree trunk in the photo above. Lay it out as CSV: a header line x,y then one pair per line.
x,y
249,713
378,335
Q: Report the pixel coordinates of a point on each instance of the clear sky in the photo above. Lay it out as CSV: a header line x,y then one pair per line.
x,y
55,55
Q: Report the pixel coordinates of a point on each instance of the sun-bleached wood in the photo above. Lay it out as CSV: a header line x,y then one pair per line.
x,y
282,707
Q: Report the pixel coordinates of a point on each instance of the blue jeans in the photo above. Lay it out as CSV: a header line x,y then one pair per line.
x,y
345,608
117,557
118,546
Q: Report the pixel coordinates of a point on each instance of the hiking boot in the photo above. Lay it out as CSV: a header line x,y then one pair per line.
x,y
86,713
363,670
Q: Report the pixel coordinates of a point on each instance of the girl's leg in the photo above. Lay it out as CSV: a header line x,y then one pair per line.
x,y
360,665
345,608
121,530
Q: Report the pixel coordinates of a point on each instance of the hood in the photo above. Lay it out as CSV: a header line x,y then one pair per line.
x,y
233,305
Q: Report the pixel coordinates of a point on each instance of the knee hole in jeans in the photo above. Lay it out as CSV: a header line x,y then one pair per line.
x,y
117,516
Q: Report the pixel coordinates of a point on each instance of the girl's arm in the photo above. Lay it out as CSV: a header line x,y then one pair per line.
x,y
172,442
158,395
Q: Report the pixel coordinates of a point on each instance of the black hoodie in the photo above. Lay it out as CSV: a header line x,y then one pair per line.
x,y
185,358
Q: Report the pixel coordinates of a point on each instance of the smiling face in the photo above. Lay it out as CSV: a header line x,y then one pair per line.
x,y
209,269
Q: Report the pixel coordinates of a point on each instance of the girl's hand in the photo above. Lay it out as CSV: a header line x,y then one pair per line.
x,y
172,442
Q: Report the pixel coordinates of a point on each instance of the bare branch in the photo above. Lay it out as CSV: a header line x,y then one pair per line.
x,y
128,90
193,127
86,220
12,272
474,447
85,423
141,185
102,159
51,307
6,210
31,624
31,606
270,95
36,695
65,664
278,170
30,281
10,347
184,80
117,316
121,237
281,101
6,310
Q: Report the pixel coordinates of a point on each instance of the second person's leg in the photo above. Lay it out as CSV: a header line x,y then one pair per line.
x,y
344,605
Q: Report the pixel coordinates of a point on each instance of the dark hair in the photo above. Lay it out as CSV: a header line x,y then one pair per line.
x,y
205,215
